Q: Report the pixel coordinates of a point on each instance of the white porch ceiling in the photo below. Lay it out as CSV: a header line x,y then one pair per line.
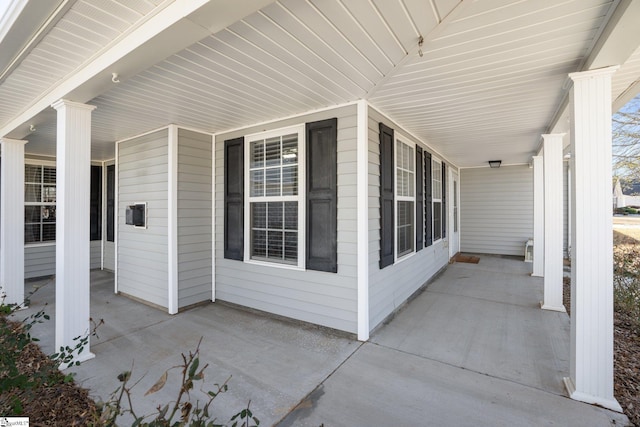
x,y
492,77
85,29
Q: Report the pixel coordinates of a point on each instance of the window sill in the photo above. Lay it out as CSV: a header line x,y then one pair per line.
x,y
39,245
274,265
404,257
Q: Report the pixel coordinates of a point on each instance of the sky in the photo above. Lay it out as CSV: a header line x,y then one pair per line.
x,y
633,108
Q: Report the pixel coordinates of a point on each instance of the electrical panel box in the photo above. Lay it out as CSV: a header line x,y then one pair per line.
x,y
136,215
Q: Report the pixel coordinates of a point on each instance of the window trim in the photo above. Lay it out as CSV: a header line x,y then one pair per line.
x,y
435,200
42,164
400,138
300,198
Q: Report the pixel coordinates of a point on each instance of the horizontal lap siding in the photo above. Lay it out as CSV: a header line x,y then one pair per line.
x,y
496,209
328,299
96,254
39,261
109,256
390,287
143,253
194,218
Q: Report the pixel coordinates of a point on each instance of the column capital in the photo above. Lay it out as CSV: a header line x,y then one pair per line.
x,y
66,103
13,141
600,72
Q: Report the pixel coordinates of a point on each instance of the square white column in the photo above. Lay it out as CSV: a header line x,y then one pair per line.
x,y
363,220
12,221
553,260
538,217
591,355
73,177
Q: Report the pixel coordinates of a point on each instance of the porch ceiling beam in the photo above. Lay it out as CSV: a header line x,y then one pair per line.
x,y
619,39
617,42
177,26
627,95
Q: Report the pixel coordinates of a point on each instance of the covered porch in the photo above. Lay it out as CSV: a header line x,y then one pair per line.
x,y
165,93
473,348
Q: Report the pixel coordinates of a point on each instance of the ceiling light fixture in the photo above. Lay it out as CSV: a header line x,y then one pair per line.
x,y
495,163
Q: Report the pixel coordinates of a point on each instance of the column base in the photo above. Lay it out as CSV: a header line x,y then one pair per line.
x,y
560,308
611,404
534,274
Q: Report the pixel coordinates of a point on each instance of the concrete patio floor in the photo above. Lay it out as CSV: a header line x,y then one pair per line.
x,y
473,349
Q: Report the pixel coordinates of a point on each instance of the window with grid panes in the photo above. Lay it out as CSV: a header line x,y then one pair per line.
x,y
274,201
40,203
405,198
437,199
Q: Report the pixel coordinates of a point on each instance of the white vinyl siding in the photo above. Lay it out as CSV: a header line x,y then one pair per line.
x,y
496,209
95,258
39,261
143,253
109,256
390,287
328,299
194,218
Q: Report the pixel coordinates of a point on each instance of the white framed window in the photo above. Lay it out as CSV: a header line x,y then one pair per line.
x,y
405,198
436,182
274,209
39,203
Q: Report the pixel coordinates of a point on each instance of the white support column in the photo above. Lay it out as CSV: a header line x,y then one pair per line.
x,y
213,218
12,221
591,354
172,220
553,260
538,217
73,176
363,219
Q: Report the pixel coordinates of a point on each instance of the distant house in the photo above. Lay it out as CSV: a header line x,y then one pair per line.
x,y
626,194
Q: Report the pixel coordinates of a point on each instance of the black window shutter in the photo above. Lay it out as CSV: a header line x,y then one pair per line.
x,y
428,218
234,199
95,203
419,200
387,232
444,200
111,191
322,195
